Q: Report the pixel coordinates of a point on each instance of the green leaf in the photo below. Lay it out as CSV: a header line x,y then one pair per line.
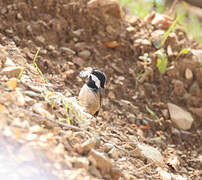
x,y
184,51
162,64
171,28
162,60
152,113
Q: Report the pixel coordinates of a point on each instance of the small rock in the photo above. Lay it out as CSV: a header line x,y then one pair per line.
x,y
198,54
13,71
85,54
115,173
157,35
20,98
111,95
174,162
152,154
169,51
172,72
164,174
51,48
87,146
179,89
197,111
100,161
38,108
113,153
9,62
130,29
188,74
180,117
78,61
81,162
12,83
78,32
9,31
67,50
19,16
144,42
178,177
195,90
68,74
80,46
199,76
41,39
28,53
107,147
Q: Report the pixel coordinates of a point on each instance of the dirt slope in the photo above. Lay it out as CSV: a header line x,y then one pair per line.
x,y
77,34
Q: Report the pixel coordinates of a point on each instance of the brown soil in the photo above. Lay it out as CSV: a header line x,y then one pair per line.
x,y
80,26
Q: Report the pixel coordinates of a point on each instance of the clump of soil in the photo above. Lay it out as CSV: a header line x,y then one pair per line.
x,y
77,34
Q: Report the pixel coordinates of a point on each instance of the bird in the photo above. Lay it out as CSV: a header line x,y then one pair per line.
x,y
91,92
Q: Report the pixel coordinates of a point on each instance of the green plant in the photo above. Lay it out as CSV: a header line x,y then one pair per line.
x,y
152,113
171,28
183,51
37,67
67,113
162,60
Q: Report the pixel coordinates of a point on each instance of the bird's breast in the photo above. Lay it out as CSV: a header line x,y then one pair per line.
x,y
89,99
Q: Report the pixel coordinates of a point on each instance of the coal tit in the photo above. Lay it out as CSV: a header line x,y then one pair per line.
x,y
91,93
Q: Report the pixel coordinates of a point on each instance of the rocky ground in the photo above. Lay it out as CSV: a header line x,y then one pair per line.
x,y
150,124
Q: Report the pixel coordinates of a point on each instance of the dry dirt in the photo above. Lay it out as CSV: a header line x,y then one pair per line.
x,y
73,35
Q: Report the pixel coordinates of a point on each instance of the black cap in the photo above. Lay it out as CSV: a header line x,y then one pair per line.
x,y
101,76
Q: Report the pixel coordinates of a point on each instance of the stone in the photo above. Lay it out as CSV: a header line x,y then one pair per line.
x,y
13,71
107,147
196,111
198,54
67,50
78,32
188,74
180,117
87,146
152,154
38,108
113,153
100,161
199,76
9,62
81,162
164,174
179,89
85,54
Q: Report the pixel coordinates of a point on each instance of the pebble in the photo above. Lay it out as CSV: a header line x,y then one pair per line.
x,y
78,32
85,54
13,71
164,174
41,39
196,111
152,154
80,46
113,153
100,161
198,54
87,146
180,117
188,74
199,76
107,147
179,89
67,50
38,108
9,62
81,162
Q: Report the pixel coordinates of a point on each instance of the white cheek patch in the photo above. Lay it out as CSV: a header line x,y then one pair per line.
x,y
96,80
